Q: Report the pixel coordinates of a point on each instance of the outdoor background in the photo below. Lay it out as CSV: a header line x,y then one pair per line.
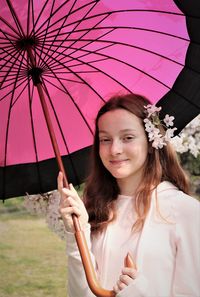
x,y
32,258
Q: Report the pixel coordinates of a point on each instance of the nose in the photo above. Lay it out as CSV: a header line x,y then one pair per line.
x,y
116,147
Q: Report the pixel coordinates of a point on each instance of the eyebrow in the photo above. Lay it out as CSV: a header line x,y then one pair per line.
x,y
124,130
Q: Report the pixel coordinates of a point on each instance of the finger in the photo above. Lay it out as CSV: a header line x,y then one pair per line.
x,y
63,199
72,193
76,195
116,289
125,279
60,180
67,201
71,202
130,272
68,211
120,285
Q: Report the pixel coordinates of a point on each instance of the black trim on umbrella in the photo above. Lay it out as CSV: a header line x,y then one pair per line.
x,y
43,173
183,100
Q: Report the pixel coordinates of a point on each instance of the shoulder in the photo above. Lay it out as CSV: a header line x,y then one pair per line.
x,y
179,204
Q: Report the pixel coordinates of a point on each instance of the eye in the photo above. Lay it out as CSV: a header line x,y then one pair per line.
x,y
104,140
128,138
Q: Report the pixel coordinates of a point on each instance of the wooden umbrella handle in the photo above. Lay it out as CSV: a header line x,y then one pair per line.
x,y
79,234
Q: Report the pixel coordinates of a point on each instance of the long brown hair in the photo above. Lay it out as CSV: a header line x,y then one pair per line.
x,y
101,188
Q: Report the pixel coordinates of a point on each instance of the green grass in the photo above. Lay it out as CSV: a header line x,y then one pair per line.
x,y
32,258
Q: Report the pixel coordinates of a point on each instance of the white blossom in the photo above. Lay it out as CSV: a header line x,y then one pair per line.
x,y
153,123
152,109
168,120
48,206
189,138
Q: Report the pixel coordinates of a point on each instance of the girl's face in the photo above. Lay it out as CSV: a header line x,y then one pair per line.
x,y
123,144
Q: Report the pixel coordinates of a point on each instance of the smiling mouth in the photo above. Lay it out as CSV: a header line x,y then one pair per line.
x,y
118,162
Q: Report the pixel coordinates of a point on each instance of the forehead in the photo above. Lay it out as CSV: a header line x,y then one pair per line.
x,y
119,119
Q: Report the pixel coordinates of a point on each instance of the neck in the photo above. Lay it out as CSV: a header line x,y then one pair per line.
x,y
128,186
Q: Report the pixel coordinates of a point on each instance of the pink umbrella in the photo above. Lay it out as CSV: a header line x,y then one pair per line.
x,y
83,52
59,61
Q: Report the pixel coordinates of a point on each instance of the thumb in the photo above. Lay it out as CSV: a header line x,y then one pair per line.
x,y
60,180
71,187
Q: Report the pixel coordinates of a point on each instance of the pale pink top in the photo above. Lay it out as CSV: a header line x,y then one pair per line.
x,y
116,242
166,252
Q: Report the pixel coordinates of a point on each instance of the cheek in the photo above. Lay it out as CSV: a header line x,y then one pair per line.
x,y
102,152
139,149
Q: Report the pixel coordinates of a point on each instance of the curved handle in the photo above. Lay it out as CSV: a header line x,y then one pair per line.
x,y
87,264
80,237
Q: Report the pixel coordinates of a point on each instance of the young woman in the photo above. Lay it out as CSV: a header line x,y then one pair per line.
x,y
135,200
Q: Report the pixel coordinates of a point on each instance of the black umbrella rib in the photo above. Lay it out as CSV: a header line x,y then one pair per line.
x,y
70,80
6,96
117,27
57,87
75,104
14,47
107,41
88,30
11,77
9,25
18,97
111,28
7,61
21,80
61,131
60,63
108,57
124,44
85,82
54,85
46,31
60,19
14,57
125,63
108,13
10,92
81,39
28,18
7,41
15,18
67,92
97,70
69,33
35,23
58,31
9,70
55,114
9,114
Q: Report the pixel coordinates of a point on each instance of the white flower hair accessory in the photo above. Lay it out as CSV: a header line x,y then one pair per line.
x,y
152,124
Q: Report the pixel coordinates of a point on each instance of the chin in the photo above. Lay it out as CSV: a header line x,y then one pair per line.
x,y
118,175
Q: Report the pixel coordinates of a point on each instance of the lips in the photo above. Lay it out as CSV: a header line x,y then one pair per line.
x,y
118,162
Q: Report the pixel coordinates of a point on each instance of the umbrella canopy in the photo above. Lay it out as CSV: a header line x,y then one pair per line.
x,y
80,52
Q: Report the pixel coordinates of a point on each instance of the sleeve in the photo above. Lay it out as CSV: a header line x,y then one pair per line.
x,y
77,283
187,267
